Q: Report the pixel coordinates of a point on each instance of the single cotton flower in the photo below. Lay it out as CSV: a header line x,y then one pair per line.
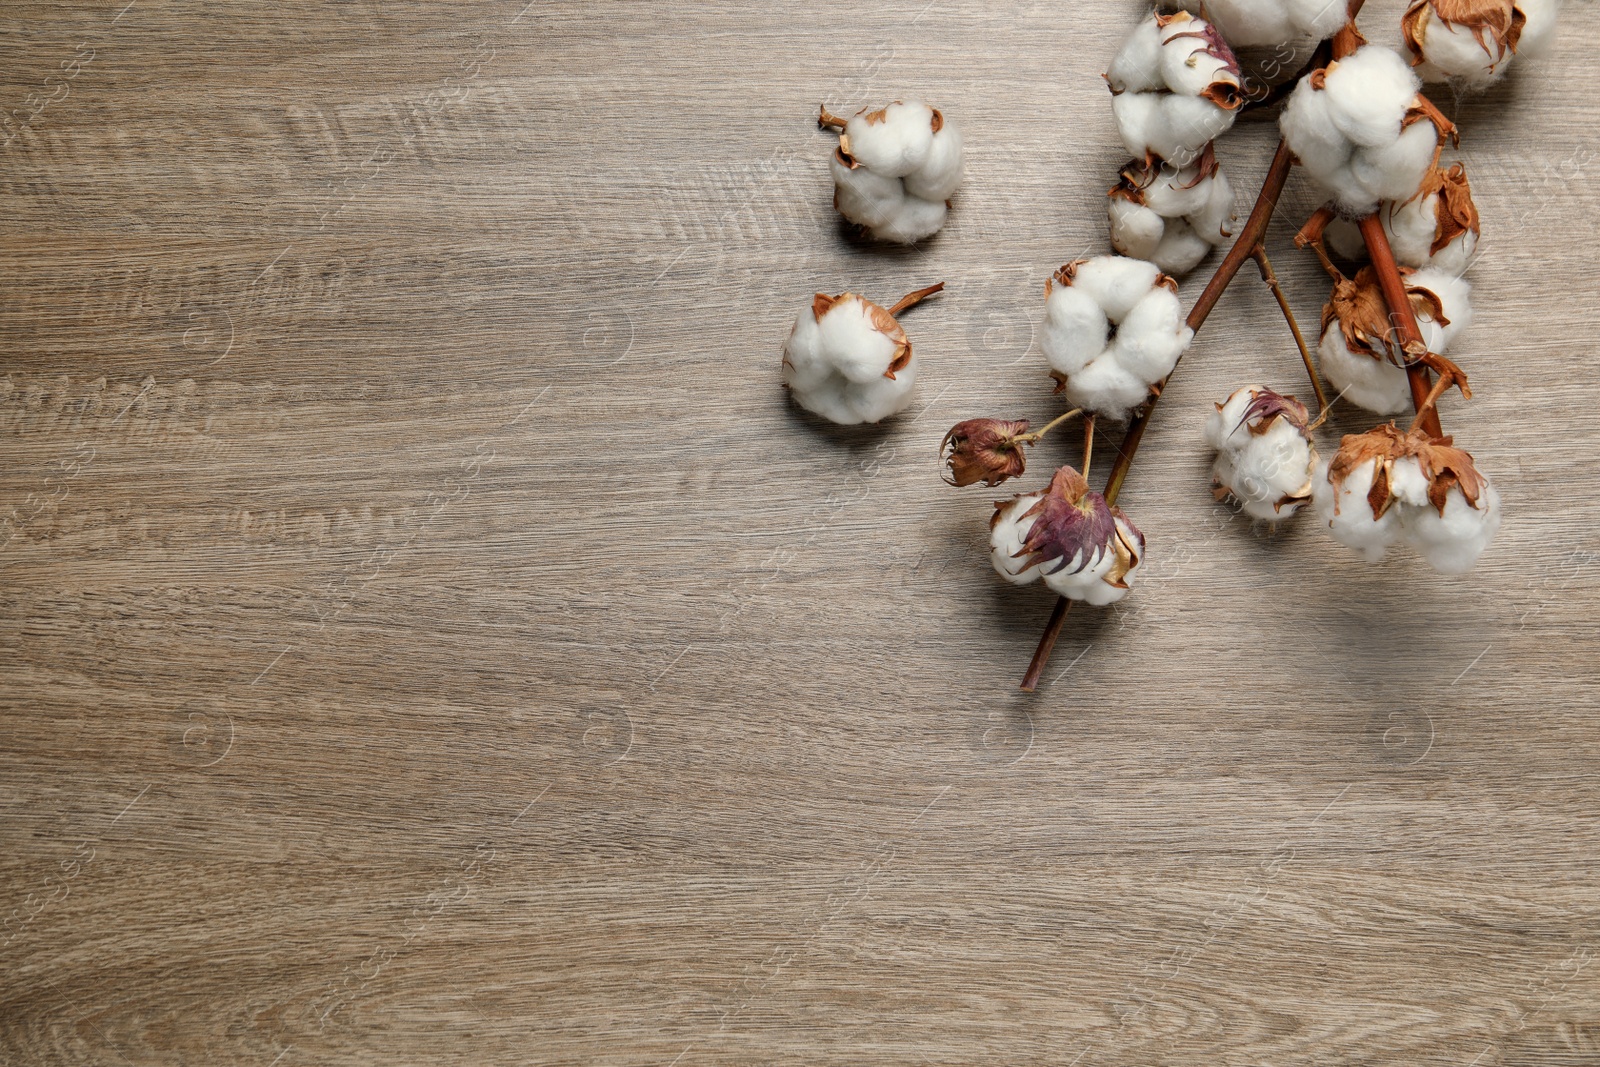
x,y
1113,328
1387,486
849,360
1362,130
1472,42
1175,85
1437,227
895,170
1083,548
1360,354
1265,457
1171,216
985,450
1257,23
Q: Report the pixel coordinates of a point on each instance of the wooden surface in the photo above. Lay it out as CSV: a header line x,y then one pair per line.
x,y
431,637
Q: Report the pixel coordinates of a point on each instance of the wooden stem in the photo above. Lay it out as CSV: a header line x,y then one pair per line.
x,y
1269,276
828,120
1403,320
1254,233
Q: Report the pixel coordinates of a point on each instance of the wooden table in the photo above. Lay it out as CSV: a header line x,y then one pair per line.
x,y
431,636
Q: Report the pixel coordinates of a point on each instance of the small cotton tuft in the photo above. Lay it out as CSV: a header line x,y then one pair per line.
x,y
848,360
1265,23
1265,457
1358,353
895,171
1471,43
1113,328
1171,216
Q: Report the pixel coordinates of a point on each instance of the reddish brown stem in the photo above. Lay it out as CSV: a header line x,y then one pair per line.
x,y
1270,276
1404,321
1253,233
911,300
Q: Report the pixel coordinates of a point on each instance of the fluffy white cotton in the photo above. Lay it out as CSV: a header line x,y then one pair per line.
x,y
1450,543
1412,226
1113,327
1175,87
1259,23
895,170
1350,134
1006,534
837,366
1477,51
1265,458
1171,216
1369,377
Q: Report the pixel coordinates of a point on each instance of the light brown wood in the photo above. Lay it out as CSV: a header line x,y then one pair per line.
x,y
430,636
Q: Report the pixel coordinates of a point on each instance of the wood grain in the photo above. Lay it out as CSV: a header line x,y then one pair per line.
x,y
430,636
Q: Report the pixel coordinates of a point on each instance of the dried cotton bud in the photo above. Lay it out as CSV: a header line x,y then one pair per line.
x,y
985,450
1387,486
1359,353
1113,328
1258,23
1362,130
1171,216
849,360
1175,86
1438,227
1083,548
1472,42
895,170
1265,458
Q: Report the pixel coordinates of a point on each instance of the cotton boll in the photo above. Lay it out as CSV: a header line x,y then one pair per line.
x,y
1348,515
915,220
1453,540
1453,294
1472,43
1075,328
1082,547
1136,230
848,360
1008,529
1265,458
1171,216
1136,68
1368,94
1265,23
940,174
1172,99
895,169
1374,384
1100,369
1437,227
1361,130
893,141
1359,350
1387,485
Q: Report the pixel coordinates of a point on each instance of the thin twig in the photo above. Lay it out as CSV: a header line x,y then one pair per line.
x,y
1088,444
828,120
1033,438
911,300
1255,229
1269,276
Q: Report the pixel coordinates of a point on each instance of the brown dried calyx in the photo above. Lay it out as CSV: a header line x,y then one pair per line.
x,y
986,450
1443,465
882,321
1363,317
1073,522
1267,406
1500,21
1137,175
1456,213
